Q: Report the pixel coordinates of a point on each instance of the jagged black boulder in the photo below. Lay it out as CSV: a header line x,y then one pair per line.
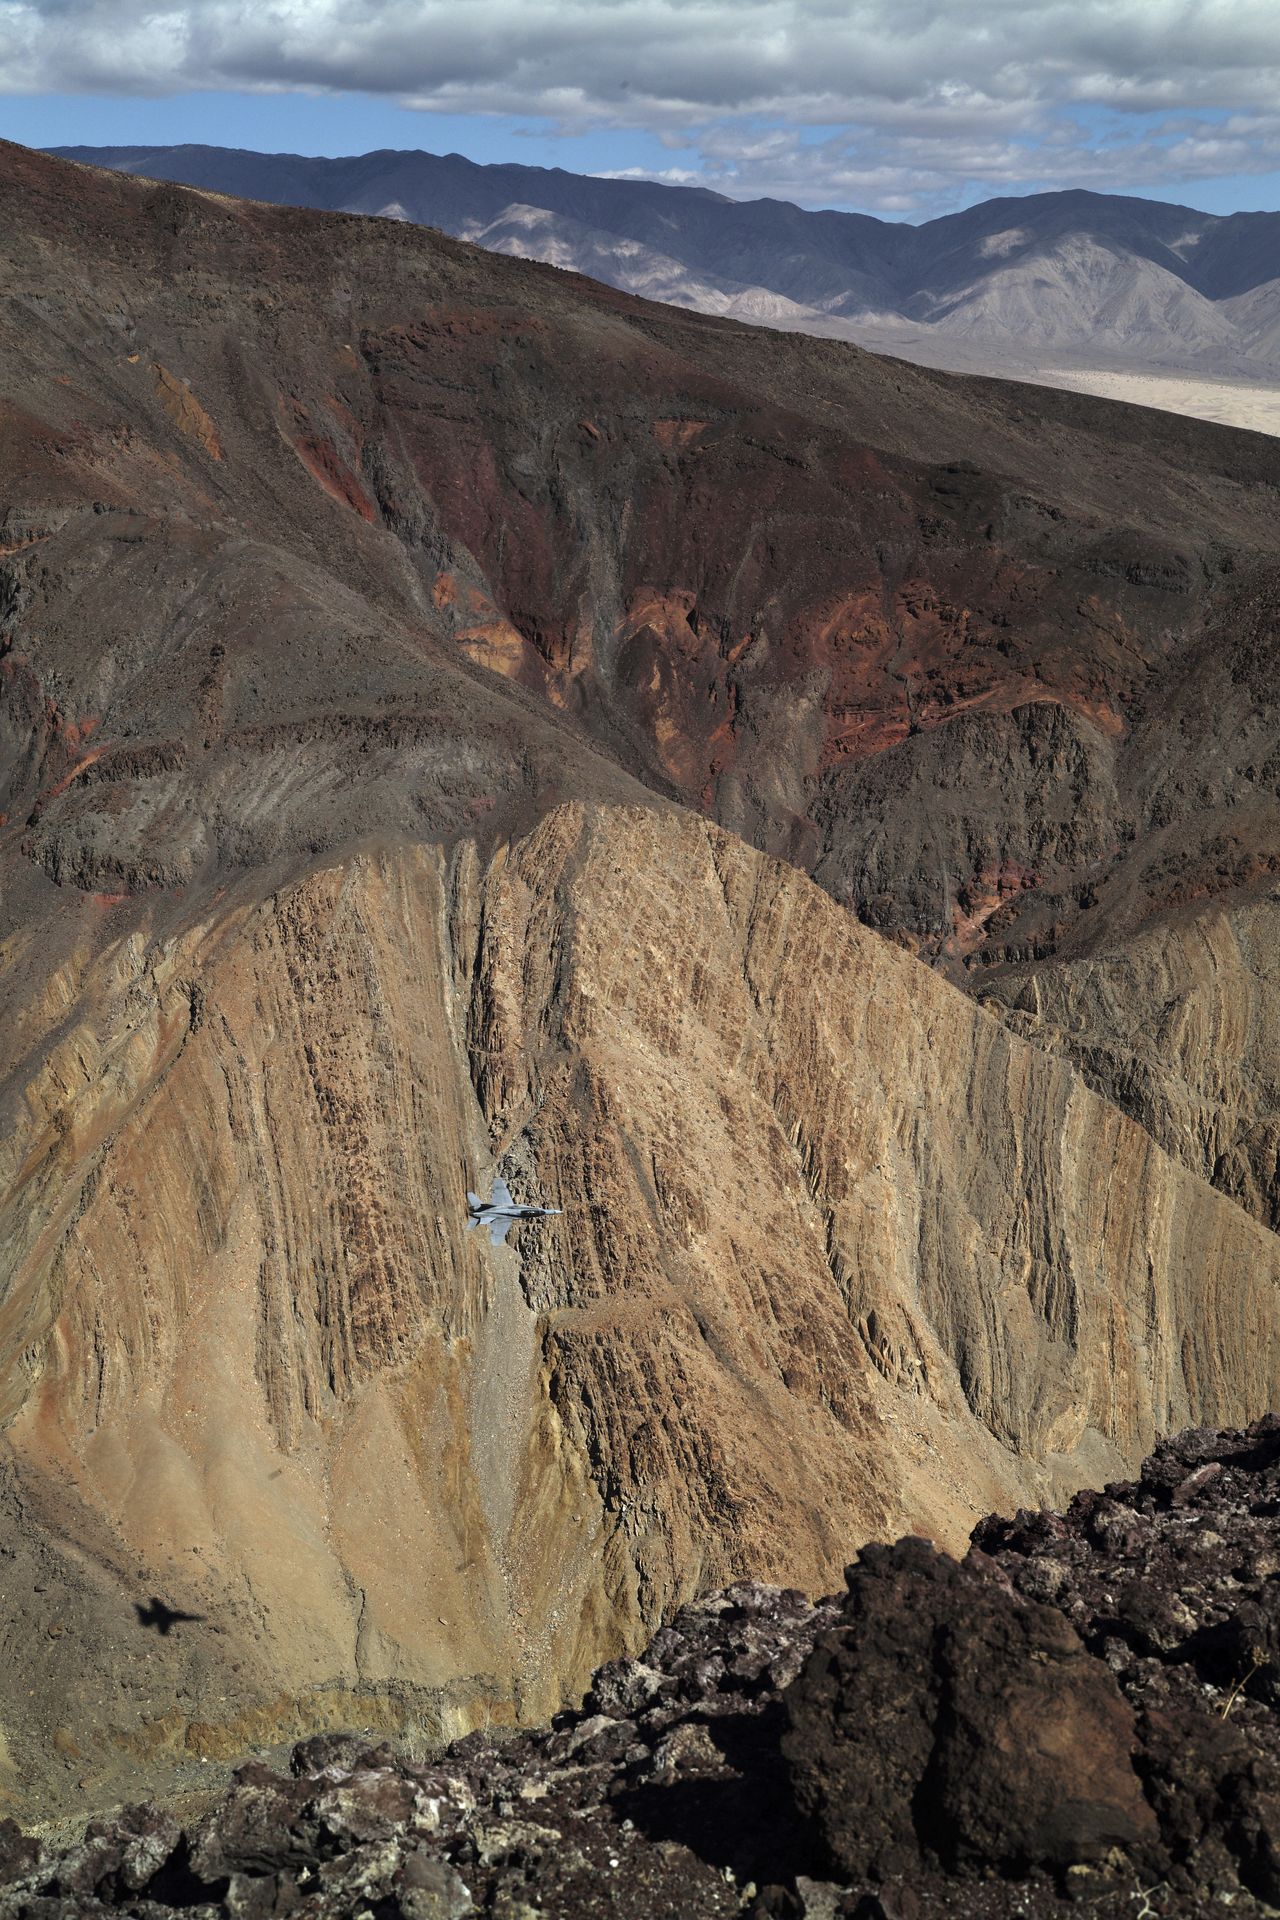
x,y
948,1722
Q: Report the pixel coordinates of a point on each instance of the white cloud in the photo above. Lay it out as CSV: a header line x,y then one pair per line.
x,y
671,176
918,171
933,95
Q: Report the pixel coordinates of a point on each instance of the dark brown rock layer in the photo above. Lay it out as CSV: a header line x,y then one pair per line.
x,y
993,663
946,1720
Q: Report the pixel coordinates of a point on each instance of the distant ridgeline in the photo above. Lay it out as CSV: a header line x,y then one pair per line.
x,y
1096,277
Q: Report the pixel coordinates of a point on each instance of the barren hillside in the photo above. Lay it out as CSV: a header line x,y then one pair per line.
x,y
426,678
1007,285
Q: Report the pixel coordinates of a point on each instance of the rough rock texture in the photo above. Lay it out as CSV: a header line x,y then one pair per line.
x,y
1080,1715
1178,1024
949,1721
835,1247
316,527
950,643
375,615
1172,1581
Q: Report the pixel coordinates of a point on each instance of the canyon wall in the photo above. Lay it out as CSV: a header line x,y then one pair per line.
x,y
393,639
1179,1025
840,1257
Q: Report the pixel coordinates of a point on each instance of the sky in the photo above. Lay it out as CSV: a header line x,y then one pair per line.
x,y
902,108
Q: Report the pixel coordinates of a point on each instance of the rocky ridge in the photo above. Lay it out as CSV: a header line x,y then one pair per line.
x,y
1115,278
1082,1710
394,643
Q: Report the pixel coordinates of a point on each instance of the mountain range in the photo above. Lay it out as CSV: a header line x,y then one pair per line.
x,y
1092,279
813,818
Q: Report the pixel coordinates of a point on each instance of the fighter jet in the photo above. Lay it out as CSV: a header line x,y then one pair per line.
x,y
501,1213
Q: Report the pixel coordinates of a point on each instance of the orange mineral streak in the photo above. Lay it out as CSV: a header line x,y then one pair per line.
x,y
73,733
666,614
481,629
910,662
20,546
323,462
681,678
496,644
868,701
990,888
185,410
675,434
1103,716
85,760
318,453
65,737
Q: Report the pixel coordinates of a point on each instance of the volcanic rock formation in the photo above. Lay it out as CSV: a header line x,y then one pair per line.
x,y
1079,1712
381,621
988,662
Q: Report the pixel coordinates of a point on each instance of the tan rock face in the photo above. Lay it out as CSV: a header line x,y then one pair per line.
x,y
840,1256
1179,1025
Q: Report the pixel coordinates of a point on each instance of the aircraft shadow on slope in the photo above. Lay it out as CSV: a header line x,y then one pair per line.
x,y
162,1617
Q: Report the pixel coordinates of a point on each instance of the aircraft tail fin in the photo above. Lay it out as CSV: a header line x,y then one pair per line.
x,y
474,1202
468,1224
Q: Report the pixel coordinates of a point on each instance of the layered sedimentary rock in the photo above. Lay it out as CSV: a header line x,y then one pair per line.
x,y
840,1257
1179,1024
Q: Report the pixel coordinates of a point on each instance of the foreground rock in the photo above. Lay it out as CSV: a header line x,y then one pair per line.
x,y
949,1719
1079,1714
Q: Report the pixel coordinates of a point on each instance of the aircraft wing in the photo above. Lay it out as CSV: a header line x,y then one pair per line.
x,y
499,1229
501,1192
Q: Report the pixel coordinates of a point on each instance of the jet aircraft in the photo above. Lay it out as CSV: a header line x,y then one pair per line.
x,y
501,1213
